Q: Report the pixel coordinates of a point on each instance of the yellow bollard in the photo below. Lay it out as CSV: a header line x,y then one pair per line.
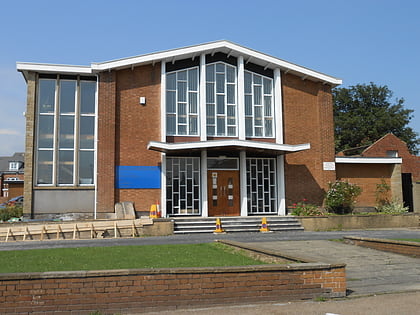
x,y
153,212
218,229
264,226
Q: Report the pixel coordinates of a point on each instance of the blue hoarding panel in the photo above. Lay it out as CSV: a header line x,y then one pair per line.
x,y
131,177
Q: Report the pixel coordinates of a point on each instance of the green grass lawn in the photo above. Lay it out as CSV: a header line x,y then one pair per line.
x,y
122,257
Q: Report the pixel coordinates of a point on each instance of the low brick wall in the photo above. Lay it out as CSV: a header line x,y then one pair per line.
x,y
399,247
122,291
359,222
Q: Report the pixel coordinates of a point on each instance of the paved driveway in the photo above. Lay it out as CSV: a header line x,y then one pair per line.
x,y
368,271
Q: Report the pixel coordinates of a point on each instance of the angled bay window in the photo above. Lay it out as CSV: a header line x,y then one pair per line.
x,y
182,102
258,105
65,131
221,100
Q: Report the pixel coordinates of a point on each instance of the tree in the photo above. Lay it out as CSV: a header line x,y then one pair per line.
x,y
364,113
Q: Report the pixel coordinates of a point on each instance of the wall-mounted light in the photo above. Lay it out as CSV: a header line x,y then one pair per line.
x,y
142,100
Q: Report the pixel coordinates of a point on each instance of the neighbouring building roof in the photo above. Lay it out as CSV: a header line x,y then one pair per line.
x,y
4,161
227,47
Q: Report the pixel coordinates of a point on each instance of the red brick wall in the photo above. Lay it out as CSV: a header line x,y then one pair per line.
x,y
106,142
367,176
308,118
142,290
390,142
400,247
136,126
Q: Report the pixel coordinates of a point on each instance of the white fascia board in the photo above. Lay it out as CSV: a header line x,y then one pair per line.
x,y
52,68
228,143
234,49
368,160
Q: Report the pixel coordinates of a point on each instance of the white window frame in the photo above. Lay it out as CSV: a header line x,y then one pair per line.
x,y
189,114
55,149
261,107
233,105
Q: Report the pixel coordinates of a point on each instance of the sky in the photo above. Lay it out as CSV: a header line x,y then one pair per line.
x,y
358,41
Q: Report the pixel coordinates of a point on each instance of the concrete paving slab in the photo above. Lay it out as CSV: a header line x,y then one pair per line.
x,y
368,271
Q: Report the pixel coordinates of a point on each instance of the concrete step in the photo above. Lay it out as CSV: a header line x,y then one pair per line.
x,y
235,224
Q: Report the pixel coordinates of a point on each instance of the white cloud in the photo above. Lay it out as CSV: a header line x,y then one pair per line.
x,y
9,132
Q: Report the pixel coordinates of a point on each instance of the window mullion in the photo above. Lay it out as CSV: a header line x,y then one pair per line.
x,y
56,130
76,135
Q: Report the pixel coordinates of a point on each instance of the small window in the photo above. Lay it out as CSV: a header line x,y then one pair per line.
x,y
14,166
222,164
392,153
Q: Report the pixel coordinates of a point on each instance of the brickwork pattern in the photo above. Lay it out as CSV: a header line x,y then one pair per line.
x,y
29,143
366,176
390,142
308,118
398,247
106,142
141,290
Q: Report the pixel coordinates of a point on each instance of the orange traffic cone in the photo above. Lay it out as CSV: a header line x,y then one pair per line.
x,y
153,212
264,226
218,229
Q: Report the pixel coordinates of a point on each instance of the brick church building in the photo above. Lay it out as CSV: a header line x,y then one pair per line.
x,y
215,129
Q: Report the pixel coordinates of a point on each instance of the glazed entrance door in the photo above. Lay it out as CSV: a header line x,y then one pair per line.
x,y
223,193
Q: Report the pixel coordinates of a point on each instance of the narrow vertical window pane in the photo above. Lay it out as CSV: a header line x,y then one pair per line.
x,y
231,94
268,86
66,132
45,167
267,106
220,104
220,126
248,82
87,132
220,82
193,80
193,125
171,102
67,96
210,92
210,73
248,105
45,131
46,100
171,124
268,127
87,97
182,91
65,167
257,95
171,81
192,101
231,74
86,167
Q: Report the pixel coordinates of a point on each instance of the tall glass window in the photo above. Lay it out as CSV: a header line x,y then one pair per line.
x,y
221,100
65,132
183,185
182,102
261,185
258,105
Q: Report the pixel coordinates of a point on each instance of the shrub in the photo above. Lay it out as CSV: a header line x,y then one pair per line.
x,y
382,193
305,209
341,196
10,212
392,207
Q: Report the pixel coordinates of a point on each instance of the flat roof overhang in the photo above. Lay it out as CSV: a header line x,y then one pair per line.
x,y
235,145
368,160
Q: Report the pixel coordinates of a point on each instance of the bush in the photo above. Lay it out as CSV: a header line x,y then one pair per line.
x,y
10,212
305,209
392,207
341,196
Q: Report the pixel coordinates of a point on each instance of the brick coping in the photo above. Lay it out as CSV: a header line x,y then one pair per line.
x,y
381,240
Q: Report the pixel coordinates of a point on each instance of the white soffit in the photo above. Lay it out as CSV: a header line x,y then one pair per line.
x,y
239,144
227,47
368,160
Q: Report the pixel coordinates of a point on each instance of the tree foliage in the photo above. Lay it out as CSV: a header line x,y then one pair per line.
x,y
363,113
